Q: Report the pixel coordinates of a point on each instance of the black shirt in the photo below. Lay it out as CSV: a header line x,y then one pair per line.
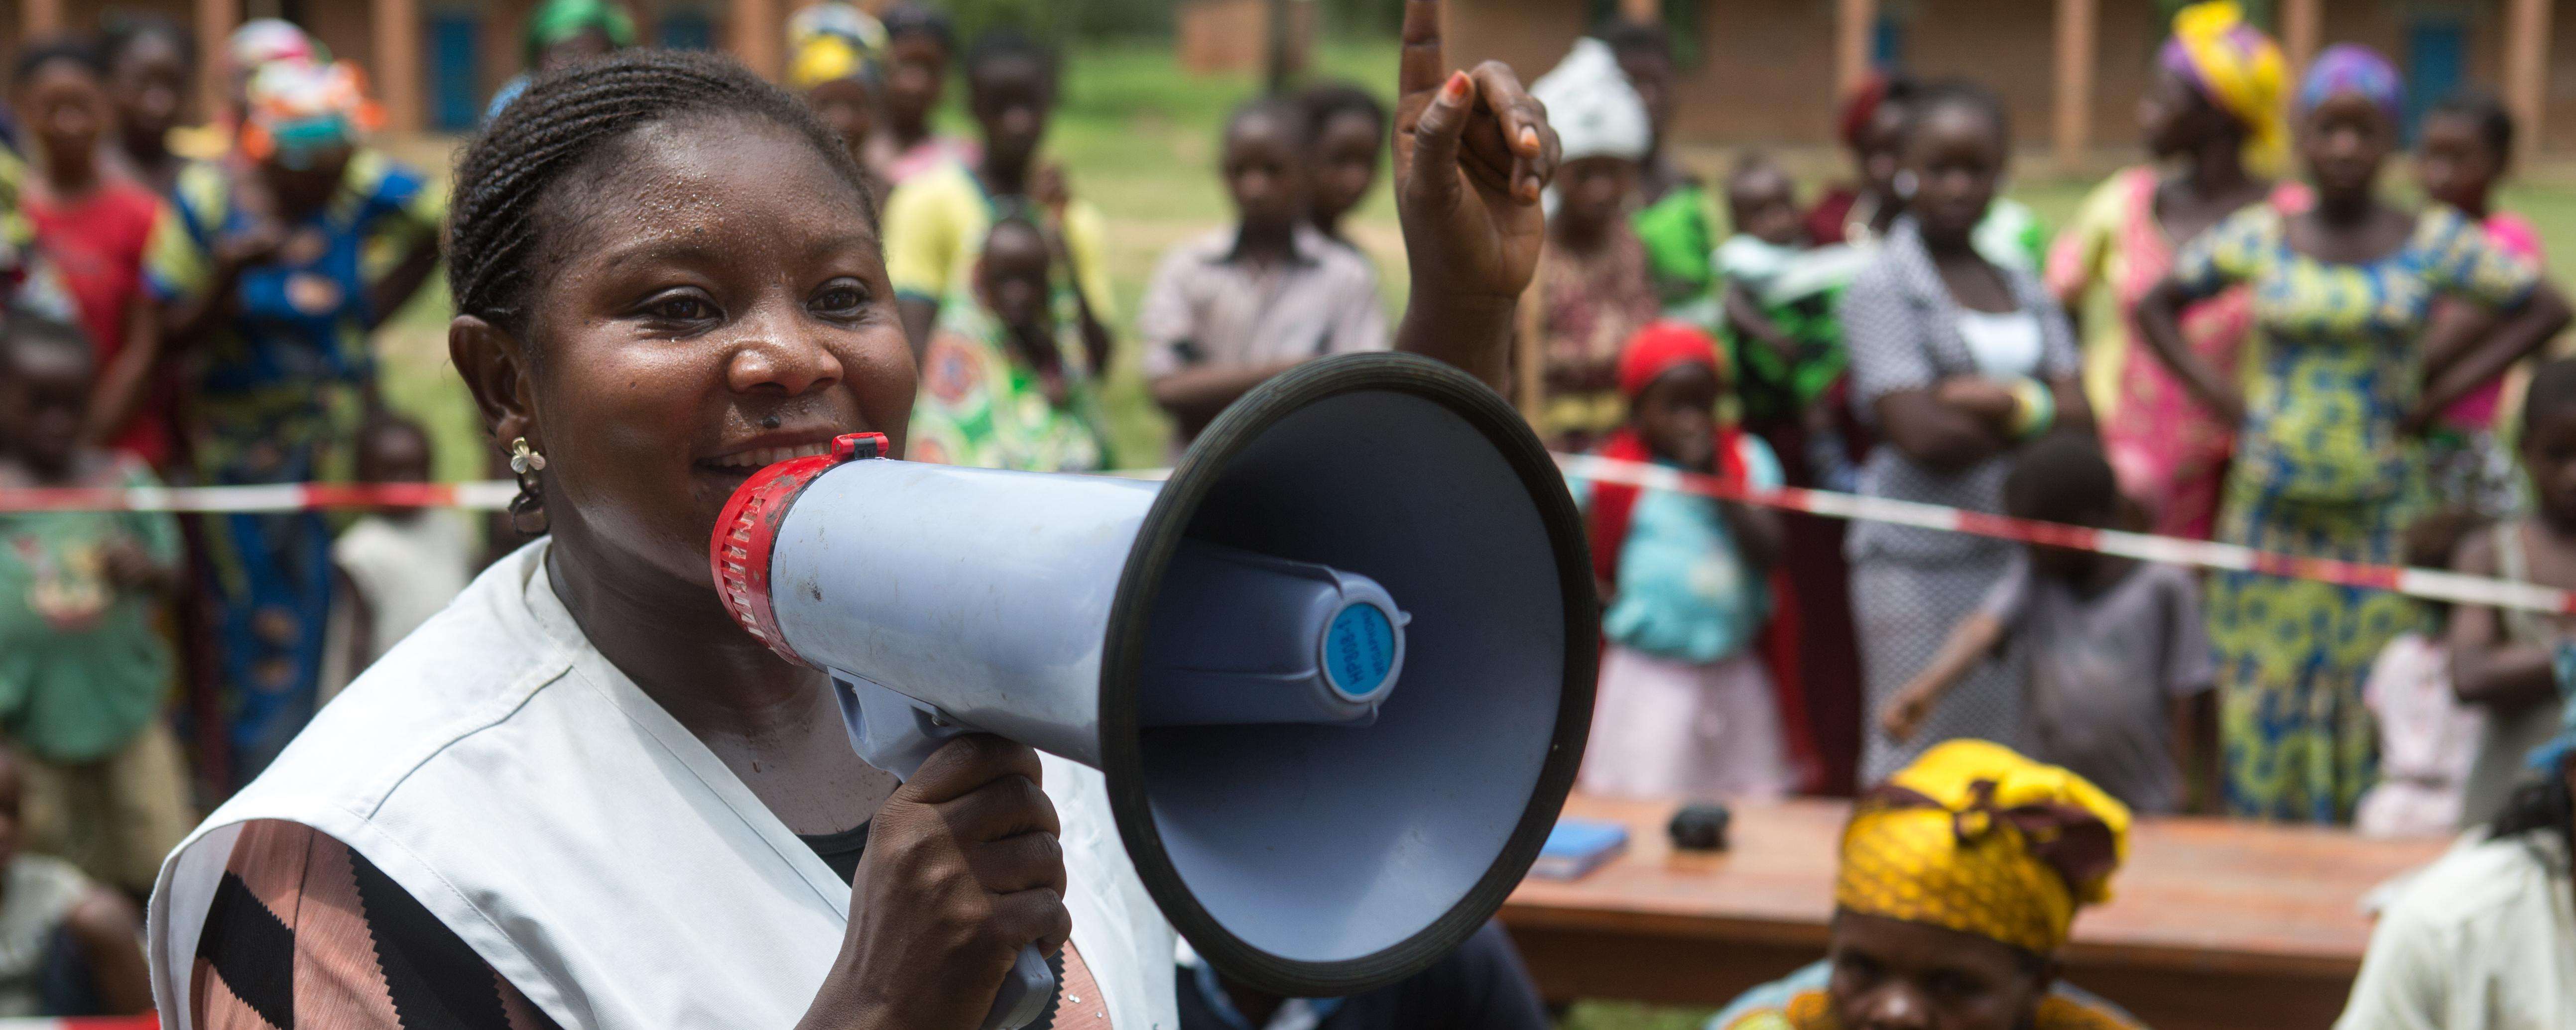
x,y
1481,986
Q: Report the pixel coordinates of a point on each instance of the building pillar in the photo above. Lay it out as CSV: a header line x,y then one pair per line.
x,y
1855,22
38,19
2526,68
396,26
216,20
2301,24
2078,46
755,33
1643,12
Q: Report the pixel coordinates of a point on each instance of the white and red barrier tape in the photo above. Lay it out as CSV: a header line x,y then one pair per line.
x,y
495,496
2425,583
485,496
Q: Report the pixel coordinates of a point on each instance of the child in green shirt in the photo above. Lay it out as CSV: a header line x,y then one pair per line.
x,y
83,672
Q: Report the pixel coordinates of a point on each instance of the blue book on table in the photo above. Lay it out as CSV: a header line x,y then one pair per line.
x,y
1578,846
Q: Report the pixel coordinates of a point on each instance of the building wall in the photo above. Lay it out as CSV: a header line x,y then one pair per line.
x,y
1768,74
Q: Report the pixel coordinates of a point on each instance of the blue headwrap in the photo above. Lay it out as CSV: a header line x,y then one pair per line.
x,y
2350,68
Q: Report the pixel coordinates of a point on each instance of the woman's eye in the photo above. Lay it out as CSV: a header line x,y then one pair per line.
x,y
840,300
681,308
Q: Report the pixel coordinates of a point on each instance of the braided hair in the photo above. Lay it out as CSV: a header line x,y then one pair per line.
x,y
565,122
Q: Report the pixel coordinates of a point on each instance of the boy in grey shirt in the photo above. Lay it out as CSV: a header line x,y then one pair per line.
x,y
2120,665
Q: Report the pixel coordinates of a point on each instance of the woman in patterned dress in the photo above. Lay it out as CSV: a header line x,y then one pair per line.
x,y
2324,466
2215,110
1956,358
276,266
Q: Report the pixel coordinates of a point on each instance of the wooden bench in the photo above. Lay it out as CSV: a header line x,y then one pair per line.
x,y
2212,924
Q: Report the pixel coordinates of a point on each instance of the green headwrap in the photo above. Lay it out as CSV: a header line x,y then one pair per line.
x,y
559,20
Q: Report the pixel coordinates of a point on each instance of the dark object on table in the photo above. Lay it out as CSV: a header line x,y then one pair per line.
x,y
1700,827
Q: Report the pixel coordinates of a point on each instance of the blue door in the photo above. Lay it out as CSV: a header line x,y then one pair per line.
x,y
1887,43
455,69
687,28
2436,60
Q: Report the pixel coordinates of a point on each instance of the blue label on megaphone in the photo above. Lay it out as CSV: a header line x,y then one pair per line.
x,y
1360,649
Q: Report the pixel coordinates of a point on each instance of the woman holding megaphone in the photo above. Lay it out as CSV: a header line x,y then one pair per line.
x,y
582,795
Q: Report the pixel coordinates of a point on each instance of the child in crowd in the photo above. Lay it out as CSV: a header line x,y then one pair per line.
x,y
1594,288
2501,659
1005,382
1686,706
1673,217
1243,303
1346,134
2427,738
83,672
936,221
2120,672
95,226
834,54
402,564
2463,150
69,946
920,40
1779,309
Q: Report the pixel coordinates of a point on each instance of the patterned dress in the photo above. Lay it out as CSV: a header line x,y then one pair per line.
x,y
1801,1001
2322,471
2170,453
275,397
1586,306
980,406
1911,586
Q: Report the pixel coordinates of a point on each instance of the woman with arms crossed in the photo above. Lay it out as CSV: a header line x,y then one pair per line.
x,y
581,796
2326,465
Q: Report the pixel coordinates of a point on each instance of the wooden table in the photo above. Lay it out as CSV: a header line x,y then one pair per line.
x,y
2212,924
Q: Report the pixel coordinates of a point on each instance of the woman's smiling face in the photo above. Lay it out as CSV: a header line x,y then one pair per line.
x,y
713,298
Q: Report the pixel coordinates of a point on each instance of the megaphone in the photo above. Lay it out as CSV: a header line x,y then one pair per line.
x,y
1337,669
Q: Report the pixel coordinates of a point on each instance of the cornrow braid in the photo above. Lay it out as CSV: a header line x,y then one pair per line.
x,y
566,120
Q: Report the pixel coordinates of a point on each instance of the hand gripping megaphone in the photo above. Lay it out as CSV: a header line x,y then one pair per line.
x,y
1337,669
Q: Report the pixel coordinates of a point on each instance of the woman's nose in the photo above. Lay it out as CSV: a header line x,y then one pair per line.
x,y
782,357
1896,1007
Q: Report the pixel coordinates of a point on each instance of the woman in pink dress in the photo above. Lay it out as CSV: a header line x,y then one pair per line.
x,y
2214,114
2462,150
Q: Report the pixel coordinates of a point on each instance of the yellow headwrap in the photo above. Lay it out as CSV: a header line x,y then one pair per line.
x,y
2241,70
1974,837
831,41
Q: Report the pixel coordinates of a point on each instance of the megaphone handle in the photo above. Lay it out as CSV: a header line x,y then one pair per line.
x,y
896,733
1026,990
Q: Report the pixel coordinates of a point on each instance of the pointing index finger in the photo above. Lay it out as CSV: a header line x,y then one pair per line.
x,y
1423,66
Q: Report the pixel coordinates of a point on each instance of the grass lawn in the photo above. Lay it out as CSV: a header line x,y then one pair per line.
x,y
1139,139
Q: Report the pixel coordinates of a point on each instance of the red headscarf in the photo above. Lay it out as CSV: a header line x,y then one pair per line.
x,y
1660,347
1861,106
1656,349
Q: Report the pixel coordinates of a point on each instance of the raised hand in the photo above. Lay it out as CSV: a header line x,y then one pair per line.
x,y
1473,151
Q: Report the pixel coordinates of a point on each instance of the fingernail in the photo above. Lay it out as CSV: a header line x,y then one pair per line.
x,y
1529,139
1456,88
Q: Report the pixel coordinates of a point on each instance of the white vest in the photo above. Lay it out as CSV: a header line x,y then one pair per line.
x,y
590,848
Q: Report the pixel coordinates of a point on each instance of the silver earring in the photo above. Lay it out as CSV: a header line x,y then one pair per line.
x,y
528,509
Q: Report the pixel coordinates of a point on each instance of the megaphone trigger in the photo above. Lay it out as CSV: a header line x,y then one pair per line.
x,y
889,730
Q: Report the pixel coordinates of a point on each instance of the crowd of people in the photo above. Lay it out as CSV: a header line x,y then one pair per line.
x,y
2281,359
2276,357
